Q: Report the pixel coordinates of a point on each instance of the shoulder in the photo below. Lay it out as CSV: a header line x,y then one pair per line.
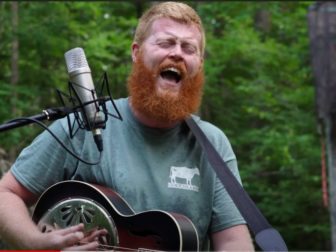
x,y
216,137
119,104
214,133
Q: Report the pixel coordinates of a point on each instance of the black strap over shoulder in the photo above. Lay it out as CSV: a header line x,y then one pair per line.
x,y
267,238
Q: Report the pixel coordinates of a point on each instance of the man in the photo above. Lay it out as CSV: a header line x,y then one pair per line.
x,y
142,154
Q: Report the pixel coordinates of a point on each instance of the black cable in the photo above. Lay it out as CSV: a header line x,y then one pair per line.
x,y
57,139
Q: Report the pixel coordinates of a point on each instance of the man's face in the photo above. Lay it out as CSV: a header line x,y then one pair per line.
x,y
171,42
167,77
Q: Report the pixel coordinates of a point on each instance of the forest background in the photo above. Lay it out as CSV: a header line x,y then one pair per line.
x,y
259,90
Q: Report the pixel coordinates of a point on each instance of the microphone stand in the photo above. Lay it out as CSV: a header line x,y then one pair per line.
x,y
47,114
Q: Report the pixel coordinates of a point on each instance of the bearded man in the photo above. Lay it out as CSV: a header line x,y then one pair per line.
x,y
151,159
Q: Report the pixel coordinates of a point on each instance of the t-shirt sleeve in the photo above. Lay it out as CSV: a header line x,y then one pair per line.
x,y
225,214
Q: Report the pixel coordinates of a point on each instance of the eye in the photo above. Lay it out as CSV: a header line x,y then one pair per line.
x,y
165,44
189,48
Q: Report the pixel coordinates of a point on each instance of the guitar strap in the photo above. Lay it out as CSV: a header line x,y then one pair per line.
x,y
267,238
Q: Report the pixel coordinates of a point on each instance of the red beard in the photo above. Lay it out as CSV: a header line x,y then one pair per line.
x,y
167,106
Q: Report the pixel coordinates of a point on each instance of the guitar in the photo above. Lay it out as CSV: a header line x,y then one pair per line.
x,y
72,202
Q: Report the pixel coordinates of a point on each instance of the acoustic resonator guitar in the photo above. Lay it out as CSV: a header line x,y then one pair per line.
x,y
72,202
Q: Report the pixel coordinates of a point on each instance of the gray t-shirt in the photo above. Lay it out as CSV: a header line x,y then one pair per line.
x,y
150,168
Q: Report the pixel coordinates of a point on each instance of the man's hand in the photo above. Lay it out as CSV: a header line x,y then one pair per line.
x,y
72,238
19,231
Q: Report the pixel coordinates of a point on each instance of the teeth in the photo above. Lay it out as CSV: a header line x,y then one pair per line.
x,y
172,74
173,69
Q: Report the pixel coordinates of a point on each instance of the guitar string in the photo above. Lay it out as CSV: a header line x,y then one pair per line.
x,y
123,248
102,247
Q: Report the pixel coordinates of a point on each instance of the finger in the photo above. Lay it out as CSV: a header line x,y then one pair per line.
x,y
73,238
56,241
94,235
72,229
98,232
88,246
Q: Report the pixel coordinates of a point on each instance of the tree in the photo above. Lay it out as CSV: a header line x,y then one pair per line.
x,y
259,90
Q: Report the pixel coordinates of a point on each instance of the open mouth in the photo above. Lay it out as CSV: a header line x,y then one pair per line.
x,y
171,74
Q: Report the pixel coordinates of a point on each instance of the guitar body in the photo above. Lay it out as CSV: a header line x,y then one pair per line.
x,y
72,202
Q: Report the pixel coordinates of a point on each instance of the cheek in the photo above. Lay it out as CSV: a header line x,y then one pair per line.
x,y
153,57
193,67
151,62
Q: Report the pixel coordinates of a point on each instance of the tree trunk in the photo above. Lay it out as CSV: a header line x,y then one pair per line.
x,y
331,149
262,20
139,6
2,19
14,66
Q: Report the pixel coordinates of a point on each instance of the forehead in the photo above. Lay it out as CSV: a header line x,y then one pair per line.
x,y
165,27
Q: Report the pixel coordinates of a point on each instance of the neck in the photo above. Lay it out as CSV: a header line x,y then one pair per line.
x,y
150,122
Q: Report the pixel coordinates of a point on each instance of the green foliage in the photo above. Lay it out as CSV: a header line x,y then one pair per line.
x,y
44,38
259,90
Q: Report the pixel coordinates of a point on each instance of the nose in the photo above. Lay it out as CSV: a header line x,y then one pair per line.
x,y
176,52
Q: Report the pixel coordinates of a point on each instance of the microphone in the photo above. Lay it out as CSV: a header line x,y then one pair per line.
x,y
81,80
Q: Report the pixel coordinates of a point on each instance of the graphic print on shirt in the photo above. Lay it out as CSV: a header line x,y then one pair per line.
x,y
182,178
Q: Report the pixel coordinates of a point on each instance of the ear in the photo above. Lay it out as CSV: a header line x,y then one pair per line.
x,y
202,60
201,63
135,51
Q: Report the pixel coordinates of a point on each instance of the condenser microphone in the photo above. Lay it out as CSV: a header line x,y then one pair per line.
x,y
81,81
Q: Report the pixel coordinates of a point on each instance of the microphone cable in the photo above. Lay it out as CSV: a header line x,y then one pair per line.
x,y
44,126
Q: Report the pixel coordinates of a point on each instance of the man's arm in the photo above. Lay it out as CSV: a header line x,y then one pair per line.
x,y
236,238
17,228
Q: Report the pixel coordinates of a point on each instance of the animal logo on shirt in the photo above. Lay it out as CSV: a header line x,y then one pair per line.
x,y
182,177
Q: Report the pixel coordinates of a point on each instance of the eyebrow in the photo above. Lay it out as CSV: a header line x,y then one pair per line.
x,y
183,38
